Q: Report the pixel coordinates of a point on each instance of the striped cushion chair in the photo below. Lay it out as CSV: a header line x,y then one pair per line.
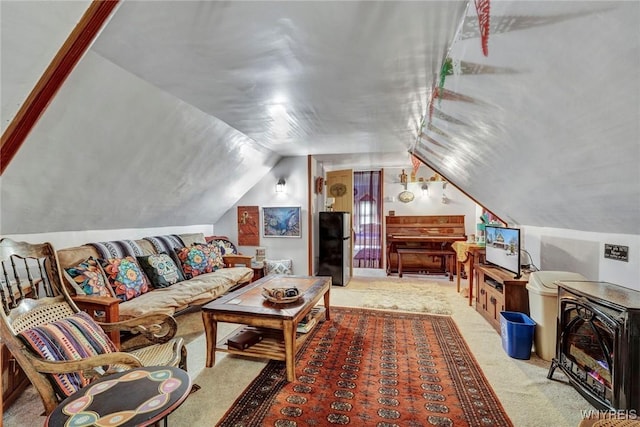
x,y
60,348
73,338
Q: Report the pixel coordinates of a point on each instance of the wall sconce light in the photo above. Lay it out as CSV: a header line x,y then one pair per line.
x,y
280,185
329,203
425,189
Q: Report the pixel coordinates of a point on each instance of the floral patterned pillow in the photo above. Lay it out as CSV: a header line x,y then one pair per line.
x,y
216,252
87,278
226,246
199,259
125,276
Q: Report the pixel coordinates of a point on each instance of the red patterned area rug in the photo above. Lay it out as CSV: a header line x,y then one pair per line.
x,y
374,368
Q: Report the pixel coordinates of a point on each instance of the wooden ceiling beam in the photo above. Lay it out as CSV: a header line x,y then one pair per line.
x,y
54,76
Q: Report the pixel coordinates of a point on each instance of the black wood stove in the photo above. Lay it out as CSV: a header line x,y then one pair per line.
x,y
598,343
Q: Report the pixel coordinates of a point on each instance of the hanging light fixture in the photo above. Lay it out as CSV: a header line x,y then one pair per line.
x,y
280,185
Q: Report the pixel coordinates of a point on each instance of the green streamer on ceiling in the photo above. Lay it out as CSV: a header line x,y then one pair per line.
x,y
445,70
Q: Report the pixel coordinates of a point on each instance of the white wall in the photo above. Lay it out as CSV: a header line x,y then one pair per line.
x,y
294,171
550,248
583,252
67,239
427,204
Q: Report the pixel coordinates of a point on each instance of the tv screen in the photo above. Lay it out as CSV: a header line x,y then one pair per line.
x,y
503,247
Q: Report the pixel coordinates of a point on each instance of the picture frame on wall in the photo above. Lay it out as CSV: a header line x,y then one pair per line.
x,y
281,221
248,226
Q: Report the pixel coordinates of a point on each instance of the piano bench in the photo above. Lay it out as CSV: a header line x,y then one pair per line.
x,y
449,257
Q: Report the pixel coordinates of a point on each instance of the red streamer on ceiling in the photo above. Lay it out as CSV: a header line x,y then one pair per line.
x,y
482,9
416,164
431,106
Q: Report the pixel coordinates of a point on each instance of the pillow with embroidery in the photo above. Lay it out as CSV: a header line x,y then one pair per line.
x,y
216,251
226,247
281,266
87,278
125,277
161,270
200,258
76,337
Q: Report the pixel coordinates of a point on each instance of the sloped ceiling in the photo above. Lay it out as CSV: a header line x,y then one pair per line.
x,y
298,77
180,107
545,129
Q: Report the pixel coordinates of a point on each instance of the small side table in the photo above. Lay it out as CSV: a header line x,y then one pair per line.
x,y
258,270
467,252
138,397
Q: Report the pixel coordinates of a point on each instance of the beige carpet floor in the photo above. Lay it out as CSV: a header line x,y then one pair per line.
x,y
528,396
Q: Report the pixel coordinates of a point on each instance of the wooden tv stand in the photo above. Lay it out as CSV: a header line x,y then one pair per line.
x,y
498,290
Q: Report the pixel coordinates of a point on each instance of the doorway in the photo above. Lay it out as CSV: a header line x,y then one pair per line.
x,y
367,223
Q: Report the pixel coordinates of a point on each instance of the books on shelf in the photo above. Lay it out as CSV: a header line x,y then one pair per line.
x,y
244,339
304,327
317,311
311,319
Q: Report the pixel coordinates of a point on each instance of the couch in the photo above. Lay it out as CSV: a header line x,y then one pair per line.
x,y
190,290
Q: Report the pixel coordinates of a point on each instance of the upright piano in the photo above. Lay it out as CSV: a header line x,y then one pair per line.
x,y
436,232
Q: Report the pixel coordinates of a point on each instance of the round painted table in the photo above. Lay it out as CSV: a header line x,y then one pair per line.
x,y
138,397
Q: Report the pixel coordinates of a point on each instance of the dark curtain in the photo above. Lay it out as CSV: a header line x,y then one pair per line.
x,y
367,223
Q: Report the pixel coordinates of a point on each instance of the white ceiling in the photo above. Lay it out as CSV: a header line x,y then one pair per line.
x,y
543,130
296,77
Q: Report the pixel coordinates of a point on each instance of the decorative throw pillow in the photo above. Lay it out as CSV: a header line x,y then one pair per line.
x,y
161,270
199,259
87,278
125,277
282,266
216,252
226,247
73,338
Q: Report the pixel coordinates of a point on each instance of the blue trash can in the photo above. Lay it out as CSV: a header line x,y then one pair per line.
x,y
517,330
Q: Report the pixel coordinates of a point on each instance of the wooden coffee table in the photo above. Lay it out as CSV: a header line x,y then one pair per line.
x,y
276,322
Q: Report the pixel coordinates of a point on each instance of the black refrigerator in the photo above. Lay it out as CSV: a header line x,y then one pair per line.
x,y
335,247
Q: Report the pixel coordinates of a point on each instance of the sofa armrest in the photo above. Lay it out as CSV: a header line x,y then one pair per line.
x,y
108,305
233,260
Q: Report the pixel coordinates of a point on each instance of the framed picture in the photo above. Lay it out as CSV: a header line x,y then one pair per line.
x,y
281,221
248,226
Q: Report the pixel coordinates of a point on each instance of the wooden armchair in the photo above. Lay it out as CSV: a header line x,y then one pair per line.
x,y
34,304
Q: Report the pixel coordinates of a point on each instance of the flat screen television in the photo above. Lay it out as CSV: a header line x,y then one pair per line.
x,y
503,248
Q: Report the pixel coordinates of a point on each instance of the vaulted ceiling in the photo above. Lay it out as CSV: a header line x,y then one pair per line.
x,y
177,99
